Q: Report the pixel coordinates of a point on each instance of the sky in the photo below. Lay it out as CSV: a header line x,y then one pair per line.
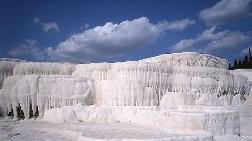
x,y
86,31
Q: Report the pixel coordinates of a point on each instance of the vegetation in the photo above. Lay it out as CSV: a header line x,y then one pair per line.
x,y
242,63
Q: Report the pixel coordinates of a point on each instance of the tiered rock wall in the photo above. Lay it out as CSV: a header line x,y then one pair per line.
x,y
158,84
6,68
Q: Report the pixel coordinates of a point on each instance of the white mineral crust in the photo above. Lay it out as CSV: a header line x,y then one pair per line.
x,y
180,91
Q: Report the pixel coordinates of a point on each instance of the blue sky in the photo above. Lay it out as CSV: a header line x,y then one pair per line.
x,y
120,30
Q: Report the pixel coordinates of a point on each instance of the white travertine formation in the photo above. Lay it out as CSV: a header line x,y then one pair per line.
x,y
189,59
213,81
43,68
6,68
45,92
56,92
181,91
243,102
242,79
96,71
5,100
125,93
217,121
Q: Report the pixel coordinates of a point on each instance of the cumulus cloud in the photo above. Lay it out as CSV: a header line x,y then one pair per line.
x,y
47,26
226,11
28,48
113,39
215,41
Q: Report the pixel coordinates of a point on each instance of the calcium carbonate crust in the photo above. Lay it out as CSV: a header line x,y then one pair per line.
x,y
180,91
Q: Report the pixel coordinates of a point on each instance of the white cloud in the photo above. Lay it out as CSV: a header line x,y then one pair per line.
x,y
47,26
50,26
85,26
112,39
225,11
188,44
36,20
27,49
231,41
185,45
177,25
215,41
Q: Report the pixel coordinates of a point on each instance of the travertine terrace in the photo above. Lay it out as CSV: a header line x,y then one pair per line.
x,y
172,92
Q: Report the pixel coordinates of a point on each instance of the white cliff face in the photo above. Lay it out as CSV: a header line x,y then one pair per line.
x,y
195,79
41,68
9,82
125,93
242,83
96,71
206,82
243,102
154,91
6,68
45,92
56,92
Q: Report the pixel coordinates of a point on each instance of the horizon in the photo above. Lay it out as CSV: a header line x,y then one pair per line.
x,y
20,60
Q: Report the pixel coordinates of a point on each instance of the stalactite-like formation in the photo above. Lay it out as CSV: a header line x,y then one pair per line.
x,y
165,80
45,92
41,68
6,68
